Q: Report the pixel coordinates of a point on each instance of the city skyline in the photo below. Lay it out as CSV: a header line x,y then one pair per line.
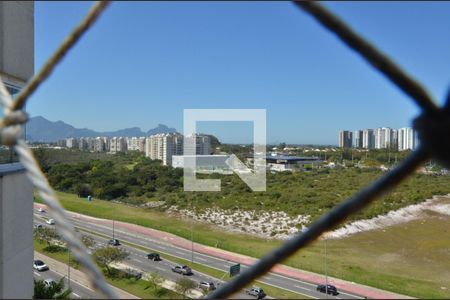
x,y
271,56
401,139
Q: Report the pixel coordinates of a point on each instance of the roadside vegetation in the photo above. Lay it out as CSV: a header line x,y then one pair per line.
x,y
403,259
56,290
134,179
410,259
122,279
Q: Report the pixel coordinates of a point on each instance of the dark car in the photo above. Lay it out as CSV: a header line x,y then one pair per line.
x,y
114,242
154,256
184,270
330,289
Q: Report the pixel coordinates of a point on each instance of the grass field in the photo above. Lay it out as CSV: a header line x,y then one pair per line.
x,y
411,259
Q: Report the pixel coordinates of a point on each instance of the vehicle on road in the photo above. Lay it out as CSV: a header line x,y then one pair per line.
x,y
184,270
49,282
39,265
207,286
330,289
37,226
256,292
50,222
114,242
154,256
41,210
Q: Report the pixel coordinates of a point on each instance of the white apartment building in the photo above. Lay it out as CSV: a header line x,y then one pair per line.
x,y
163,146
99,144
406,139
136,144
83,144
384,137
368,139
202,144
71,143
117,144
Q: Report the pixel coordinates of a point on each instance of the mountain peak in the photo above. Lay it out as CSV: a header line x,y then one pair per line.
x,y
42,130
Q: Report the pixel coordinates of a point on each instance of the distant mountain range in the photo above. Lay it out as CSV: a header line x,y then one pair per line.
x,y
39,129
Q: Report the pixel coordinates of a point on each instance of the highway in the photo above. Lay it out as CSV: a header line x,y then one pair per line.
x,y
78,290
138,260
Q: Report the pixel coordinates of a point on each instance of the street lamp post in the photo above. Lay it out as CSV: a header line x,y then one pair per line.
x,y
68,271
192,231
326,271
113,219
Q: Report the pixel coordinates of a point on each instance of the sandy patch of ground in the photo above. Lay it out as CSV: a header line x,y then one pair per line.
x,y
438,204
265,224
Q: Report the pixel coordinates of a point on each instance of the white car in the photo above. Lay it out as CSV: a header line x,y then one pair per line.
x,y
50,222
41,210
208,286
39,265
49,282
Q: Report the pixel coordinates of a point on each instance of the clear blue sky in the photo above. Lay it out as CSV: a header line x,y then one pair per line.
x,y
144,62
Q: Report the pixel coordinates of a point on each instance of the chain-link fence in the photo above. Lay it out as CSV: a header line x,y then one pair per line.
x,y
433,127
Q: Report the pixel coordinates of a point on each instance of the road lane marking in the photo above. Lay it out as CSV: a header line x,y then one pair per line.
x,y
301,287
37,274
201,258
98,228
76,295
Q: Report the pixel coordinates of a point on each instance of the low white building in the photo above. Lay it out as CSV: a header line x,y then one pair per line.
x,y
206,164
290,163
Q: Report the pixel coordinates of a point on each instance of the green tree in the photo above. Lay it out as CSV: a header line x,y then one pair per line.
x,y
155,280
88,241
108,255
184,285
48,236
54,291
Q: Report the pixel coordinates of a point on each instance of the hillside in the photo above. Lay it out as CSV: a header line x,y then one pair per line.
x,y
39,129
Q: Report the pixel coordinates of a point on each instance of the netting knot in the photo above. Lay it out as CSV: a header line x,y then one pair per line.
x,y
434,133
10,127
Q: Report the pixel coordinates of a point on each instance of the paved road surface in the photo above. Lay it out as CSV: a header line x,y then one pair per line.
x,y
137,259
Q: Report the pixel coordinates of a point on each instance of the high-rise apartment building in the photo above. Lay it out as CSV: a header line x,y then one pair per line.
x,y
384,137
368,139
394,140
99,144
165,145
136,144
117,144
406,139
358,135
83,144
345,139
202,144
72,143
